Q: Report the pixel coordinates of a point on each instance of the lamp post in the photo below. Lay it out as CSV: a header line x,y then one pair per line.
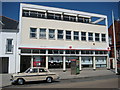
x,y
114,43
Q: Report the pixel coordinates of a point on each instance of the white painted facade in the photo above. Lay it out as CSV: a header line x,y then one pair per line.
x,y
4,35
25,42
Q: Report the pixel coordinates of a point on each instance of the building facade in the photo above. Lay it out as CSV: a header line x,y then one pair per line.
x,y
8,41
50,37
111,39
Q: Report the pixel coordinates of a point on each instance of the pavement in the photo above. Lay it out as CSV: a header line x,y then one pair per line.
x,y
85,73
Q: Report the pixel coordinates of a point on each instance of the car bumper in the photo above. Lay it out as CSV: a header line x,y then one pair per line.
x,y
13,81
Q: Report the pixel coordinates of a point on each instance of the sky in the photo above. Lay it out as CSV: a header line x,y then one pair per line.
x,y
11,9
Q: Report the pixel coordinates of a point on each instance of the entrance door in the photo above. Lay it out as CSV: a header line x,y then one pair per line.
x,y
25,63
4,64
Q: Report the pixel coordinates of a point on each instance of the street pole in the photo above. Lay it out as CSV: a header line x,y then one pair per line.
x,y
115,62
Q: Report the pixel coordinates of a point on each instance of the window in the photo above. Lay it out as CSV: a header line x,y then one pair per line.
x,y
103,37
60,34
51,34
54,16
9,46
33,32
33,14
25,13
80,19
35,51
90,36
41,15
55,51
97,37
42,51
42,70
57,16
50,15
25,50
35,70
86,20
72,18
86,52
42,33
66,17
83,36
68,35
76,35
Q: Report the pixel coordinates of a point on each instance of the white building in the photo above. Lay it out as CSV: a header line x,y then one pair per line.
x,y
51,37
8,41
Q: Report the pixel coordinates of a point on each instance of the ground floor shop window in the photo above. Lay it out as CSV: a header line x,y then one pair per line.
x,y
55,62
39,61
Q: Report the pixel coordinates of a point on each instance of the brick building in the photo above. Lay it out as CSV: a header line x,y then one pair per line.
x,y
111,38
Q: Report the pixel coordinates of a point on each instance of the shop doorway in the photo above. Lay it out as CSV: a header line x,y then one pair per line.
x,y
25,63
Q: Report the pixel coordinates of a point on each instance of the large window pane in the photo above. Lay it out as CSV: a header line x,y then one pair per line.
x,y
103,37
51,34
9,46
83,36
76,35
90,36
97,37
60,34
68,35
42,33
33,32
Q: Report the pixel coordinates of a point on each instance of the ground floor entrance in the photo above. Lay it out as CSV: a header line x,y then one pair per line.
x,y
4,64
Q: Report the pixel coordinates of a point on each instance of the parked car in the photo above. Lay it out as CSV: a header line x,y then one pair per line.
x,y
34,74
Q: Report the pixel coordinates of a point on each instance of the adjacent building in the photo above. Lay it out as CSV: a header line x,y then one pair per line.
x,y
50,37
8,43
111,39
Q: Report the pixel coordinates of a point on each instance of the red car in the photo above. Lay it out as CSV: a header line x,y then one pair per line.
x,y
36,63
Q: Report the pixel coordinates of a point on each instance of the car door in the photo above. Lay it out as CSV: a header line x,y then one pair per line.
x,y
42,74
32,75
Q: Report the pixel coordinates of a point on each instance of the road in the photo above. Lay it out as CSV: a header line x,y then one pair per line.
x,y
110,81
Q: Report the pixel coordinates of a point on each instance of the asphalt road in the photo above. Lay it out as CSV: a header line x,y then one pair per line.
x,y
111,81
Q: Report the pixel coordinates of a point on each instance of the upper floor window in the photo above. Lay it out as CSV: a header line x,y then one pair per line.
x,y
33,13
33,32
80,19
42,33
76,35
83,36
53,16
72,18
68,35
51,34
41,14
97,37
86,20
103,37
66,17
90,36
60,34
25,13
9,46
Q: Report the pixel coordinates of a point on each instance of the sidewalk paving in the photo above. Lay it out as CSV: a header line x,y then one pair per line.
x,y
83,74
64,75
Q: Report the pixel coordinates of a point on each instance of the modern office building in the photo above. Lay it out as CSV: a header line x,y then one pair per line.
x,y
8,43
50,37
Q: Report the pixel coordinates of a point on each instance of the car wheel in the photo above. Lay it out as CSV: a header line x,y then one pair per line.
x,y
49,79
20,81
